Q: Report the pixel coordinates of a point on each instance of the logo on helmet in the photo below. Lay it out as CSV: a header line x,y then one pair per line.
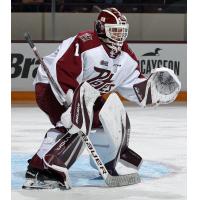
x,y
103,19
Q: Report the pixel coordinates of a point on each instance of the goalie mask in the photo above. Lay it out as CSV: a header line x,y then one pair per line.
x,y
112,28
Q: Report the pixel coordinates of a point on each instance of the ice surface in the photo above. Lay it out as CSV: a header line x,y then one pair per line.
x,y
158,135
82,174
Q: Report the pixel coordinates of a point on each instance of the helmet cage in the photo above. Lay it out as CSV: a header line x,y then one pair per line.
x,y
117,32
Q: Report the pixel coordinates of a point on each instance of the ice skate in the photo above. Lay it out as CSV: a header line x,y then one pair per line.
x,y
45,179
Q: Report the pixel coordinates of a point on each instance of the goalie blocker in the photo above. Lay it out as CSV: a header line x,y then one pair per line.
x,y
49,167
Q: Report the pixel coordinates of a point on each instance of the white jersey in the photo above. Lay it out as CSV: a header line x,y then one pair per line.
x,y
85,58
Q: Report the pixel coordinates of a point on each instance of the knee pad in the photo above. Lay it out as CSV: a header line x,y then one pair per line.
x,y
51,137
65,147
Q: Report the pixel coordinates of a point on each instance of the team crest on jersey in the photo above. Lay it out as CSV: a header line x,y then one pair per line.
x,y
102,81
85,37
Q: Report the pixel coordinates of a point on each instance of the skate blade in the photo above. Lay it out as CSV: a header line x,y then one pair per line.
x,y
31,184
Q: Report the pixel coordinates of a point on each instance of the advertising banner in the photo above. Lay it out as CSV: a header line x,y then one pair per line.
x,y
172,56
150,55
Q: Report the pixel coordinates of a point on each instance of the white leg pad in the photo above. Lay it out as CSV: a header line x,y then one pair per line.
x,y
107,141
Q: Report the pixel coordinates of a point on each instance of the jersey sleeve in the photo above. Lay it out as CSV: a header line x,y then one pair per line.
x,y
68,65
64,65
126,88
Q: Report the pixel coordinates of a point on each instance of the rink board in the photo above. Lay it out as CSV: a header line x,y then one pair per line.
x,y
170,55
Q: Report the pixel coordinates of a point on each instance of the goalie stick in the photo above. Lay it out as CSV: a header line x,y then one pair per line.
x,y
59,91
111,181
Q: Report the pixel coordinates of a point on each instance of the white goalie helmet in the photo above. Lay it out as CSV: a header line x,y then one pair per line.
x,y
112,28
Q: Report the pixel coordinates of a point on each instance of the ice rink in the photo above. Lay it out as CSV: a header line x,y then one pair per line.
x,y
157,134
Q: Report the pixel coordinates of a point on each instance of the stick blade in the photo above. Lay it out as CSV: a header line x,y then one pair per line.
x,y
122,180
